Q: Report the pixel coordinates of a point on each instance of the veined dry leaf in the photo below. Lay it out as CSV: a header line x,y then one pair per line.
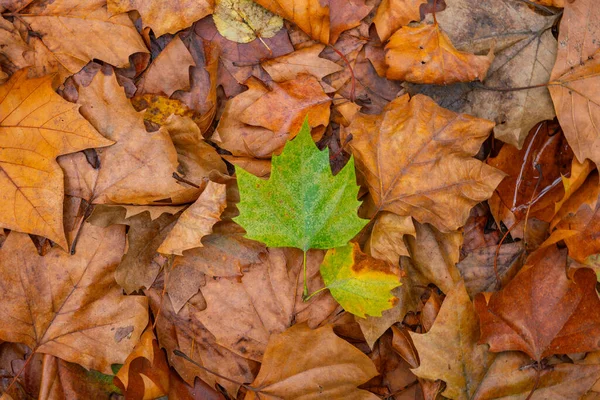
x,y
139,168
243,21
542,312
196,221
425,54
302,61
323,21
509,378
13,46
575,77
387,237
81,315
393,14
77,32
324,367
169,71
258,122
165,17
414,139
449,351
183,331
36,126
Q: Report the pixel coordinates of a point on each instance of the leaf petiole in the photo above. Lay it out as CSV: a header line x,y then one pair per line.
x,y
307,298
305,291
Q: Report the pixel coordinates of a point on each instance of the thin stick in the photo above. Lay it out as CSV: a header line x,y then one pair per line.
x,y
480,85
498,281
353,88
539,7
305,291
539,169
27,361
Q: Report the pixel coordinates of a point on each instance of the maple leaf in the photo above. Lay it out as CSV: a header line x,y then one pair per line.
x,y
243,20
37,126
542,312
575,77
449,351
302,205
80,314
74,33
417,160
165,17
320,367
424,54
360,284
196,221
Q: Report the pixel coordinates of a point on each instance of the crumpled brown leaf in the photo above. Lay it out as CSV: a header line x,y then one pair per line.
x,y
416,138
81,315
393,14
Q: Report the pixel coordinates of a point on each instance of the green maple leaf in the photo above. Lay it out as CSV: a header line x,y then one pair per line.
x,y
302,205
361,284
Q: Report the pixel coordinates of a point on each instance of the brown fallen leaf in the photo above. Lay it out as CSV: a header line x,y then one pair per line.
x,y
260,121
139,168
75,33
574,78
553,3
393,14
36,127
64,380
449,351
141,264
509,377
416,138
81,315
145,373
425,54
244,312
323,21
168,17
386,240
542,312
169,71
302,61
13,47
184,332
196,221
324,366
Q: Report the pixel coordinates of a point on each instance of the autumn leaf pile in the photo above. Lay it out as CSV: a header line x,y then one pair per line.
x,y
299,199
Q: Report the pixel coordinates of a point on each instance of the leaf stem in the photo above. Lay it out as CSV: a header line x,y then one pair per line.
x,y
305,291
307,298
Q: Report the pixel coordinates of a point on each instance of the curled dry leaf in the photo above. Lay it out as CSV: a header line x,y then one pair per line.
x,y
75,32
81,315
165,17
302,61
387,237
196,221
393,14
449,351
12,45
37,126
243,21
575,79
542,312
360,283
169,71
425,54
324,367
416,138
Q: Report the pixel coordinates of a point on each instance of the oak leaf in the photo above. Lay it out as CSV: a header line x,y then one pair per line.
x,y
425,54
75,32
416,138
37,126
575,77
542,312
196,221
393,14
243,21
324,367
165,17
80,315
449,351
360,283
302,205
168,72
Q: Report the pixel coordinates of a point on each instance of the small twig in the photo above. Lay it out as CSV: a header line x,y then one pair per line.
x,y
480,85
498,281
353,88
337,153
86,214
179,178
14,380
538,167
539,7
